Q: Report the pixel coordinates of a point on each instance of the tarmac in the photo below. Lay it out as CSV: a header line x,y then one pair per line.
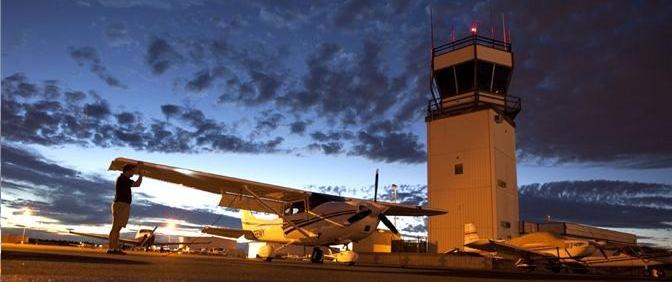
x,y
57,263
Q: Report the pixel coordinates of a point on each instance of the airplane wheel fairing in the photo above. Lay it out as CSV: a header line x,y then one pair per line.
x,y
347,257
266,252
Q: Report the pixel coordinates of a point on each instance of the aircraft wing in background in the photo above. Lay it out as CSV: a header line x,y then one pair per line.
x,y
229,233
504,248
106,237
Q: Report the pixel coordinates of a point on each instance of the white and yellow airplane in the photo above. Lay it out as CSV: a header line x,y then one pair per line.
x,y
579,255
144,238
305,218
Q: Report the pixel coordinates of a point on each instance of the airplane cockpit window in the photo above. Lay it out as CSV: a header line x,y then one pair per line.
x,y
295,208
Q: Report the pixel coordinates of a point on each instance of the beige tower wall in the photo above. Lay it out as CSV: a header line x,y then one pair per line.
x,y
486,149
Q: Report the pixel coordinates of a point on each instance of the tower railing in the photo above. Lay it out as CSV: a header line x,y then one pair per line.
x,y
472,40
508,105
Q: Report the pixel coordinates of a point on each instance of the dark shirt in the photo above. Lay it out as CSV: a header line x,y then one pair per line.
x,y
123,189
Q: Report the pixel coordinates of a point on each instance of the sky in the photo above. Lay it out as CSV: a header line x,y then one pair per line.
x,y
318,95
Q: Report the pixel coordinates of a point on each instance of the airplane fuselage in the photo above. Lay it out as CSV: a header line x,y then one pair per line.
x,y
329,223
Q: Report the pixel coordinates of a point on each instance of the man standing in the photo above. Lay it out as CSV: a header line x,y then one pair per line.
x,y
121,207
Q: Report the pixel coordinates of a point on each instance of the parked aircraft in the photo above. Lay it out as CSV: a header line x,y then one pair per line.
x,y
144,238
579,255
305,218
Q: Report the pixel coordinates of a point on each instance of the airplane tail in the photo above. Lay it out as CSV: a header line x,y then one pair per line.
x,y
470,235
250,222
247,220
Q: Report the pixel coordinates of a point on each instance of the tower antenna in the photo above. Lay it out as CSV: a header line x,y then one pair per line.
x,y
431,55
503,29
492,25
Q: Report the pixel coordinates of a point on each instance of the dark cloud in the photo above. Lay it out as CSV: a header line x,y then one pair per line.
x,y
170,110
385,142
298,127
599,203
88,120
88,56
203,79
161,56
73,198
268,121
328,148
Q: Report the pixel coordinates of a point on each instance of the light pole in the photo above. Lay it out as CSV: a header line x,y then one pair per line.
x,y
394,195
27,213
170,226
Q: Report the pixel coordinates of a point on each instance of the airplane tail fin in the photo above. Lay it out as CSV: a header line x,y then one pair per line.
x,y
250,222
470,235
247,220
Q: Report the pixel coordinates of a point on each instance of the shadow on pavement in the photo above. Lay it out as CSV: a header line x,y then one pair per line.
x,y
11,255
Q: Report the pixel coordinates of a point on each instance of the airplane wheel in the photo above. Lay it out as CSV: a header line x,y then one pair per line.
x,y
268,259
317,256
656,273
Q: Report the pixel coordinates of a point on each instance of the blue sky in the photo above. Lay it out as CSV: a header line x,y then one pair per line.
x,y
322,93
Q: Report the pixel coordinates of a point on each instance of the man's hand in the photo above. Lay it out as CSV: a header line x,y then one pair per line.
x,y
141,166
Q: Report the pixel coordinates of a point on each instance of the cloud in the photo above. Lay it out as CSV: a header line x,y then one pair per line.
x,y
268,121
117,34
203,79
599,202
385,142
88,56
298,127
31,116
73,198
161,56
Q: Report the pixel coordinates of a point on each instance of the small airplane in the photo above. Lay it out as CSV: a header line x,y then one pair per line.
x,y
304,218
580,255
144,238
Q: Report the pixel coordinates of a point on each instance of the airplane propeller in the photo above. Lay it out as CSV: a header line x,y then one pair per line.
x,y
381,216
388,223
146,238
365,211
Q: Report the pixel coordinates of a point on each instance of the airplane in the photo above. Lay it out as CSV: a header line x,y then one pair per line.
x,y
144,238
304,218
580,255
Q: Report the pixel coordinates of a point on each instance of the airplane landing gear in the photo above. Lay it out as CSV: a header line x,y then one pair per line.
x,y
317,256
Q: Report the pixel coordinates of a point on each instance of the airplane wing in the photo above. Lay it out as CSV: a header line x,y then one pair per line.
x,y
394,209
181,243
105,237
232,190
504,248
229,233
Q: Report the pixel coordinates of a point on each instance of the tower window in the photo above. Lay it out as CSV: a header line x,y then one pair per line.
x,y
501,183
445,81
505,224
459,169
500,80
485,73
465,77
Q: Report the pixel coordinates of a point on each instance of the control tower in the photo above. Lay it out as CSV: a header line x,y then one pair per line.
x,y
471,142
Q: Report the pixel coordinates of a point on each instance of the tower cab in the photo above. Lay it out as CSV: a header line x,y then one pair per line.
x,y
470,74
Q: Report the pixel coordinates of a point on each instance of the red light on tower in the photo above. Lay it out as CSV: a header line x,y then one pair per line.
x,y
474,29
